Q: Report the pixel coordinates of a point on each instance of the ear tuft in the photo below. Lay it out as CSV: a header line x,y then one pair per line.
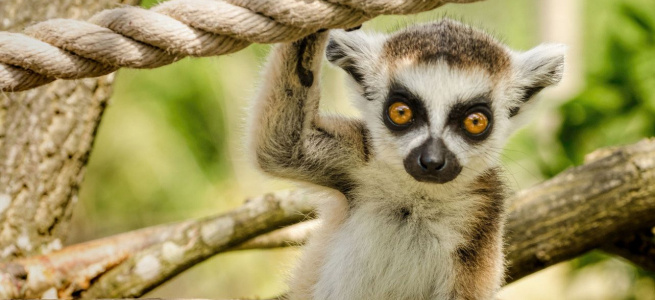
x,y
543,65
538,68
351,51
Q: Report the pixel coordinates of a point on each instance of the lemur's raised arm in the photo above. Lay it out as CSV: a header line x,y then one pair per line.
x,y
289,136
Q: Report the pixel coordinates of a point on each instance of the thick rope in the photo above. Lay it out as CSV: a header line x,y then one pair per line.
x,y
138,38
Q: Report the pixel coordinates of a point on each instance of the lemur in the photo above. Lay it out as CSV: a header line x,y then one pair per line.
x,y
418,204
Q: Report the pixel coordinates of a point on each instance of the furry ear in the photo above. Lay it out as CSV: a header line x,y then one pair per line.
x,y
537,69
353,51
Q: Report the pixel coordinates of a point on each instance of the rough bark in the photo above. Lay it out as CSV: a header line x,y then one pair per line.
x,y
143,259
46,135
201,240
294,235
608,203
64,273
609,197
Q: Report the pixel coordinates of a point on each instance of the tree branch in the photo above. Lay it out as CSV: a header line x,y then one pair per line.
x,y
71,270
294,235
201,240
583,208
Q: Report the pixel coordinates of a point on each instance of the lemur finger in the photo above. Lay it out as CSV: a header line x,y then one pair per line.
x,y
307,49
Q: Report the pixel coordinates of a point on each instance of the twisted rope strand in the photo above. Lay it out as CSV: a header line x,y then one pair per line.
x,y
138,38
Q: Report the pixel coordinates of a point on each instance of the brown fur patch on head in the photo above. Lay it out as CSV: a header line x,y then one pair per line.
x,y
457,44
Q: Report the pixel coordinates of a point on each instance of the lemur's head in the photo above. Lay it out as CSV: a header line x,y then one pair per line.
x,y
441,99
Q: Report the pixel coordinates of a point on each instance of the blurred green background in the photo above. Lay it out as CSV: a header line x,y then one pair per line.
x,y
171,145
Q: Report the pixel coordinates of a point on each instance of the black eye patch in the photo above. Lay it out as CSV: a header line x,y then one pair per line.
x,y
479,112
398,93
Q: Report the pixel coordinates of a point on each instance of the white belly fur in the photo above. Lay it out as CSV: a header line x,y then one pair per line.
x,y
375,254
369,252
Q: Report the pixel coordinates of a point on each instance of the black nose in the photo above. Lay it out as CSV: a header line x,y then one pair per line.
x,y
431,163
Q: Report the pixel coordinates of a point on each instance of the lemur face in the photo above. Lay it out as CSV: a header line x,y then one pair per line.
x,y
439,120
441,99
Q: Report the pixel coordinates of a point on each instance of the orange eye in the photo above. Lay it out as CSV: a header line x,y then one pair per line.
x,y
476,123
400,113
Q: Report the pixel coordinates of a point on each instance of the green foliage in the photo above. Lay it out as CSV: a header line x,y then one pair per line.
x,y
616,107
187,101
162,140
618,104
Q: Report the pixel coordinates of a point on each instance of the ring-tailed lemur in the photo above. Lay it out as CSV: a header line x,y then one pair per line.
x,y
421,205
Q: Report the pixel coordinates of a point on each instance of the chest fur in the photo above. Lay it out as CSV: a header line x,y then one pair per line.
x,y
392,248
392,239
